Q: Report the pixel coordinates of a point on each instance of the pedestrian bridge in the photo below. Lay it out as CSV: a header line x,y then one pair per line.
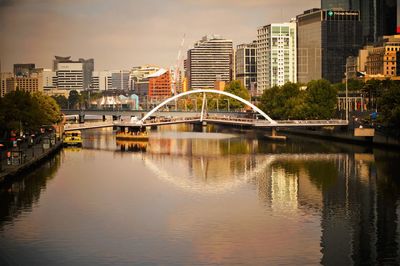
x,y
261,121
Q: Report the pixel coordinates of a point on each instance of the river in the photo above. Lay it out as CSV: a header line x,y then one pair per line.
x,y
201,197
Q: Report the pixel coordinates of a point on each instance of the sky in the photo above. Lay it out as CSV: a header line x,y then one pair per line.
x,y
120,34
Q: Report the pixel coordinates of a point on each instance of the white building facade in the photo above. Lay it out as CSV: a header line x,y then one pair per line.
x,y
276,55
101,80
70,76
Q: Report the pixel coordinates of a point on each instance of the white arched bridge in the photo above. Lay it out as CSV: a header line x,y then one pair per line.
x,y
262,120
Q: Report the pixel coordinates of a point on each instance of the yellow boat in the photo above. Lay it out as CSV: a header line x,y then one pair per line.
x,y
72,138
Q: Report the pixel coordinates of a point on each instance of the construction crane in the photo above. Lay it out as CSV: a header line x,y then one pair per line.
x,y
177,72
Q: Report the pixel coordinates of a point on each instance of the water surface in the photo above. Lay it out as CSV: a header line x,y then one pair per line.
x,y
217,196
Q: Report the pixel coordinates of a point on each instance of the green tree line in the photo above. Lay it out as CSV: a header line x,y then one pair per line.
x,y
317,101
23,112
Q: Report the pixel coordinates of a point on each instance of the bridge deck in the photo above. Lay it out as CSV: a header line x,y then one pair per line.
x,y
256,123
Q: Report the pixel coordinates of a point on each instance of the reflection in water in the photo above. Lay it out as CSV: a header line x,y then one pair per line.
x,y
21,195
132,146
210,197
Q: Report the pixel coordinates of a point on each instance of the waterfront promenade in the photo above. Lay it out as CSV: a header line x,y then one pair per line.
x,y
29,156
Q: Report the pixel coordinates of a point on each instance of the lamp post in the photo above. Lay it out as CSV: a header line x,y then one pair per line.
x,y
347,95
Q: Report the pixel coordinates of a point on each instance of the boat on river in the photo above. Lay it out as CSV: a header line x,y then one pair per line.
x,y
72,138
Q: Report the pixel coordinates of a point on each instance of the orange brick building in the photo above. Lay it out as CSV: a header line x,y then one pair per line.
x,y
160,85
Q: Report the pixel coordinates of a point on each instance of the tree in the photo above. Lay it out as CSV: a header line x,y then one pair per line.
x,y
74,99
61,100
286,102
235,87
352,85
389,105
320,100
23,112
51,112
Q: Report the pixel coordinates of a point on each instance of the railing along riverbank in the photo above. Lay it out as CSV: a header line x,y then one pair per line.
x,y
28,157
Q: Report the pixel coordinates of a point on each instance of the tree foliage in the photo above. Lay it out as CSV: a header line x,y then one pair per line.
x,y
22,111
389,104
318,101
352,85
286,102
74,99
321,99
61,100
235,87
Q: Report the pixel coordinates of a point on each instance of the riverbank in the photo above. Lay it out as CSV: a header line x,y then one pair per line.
x,y
348,136
32,157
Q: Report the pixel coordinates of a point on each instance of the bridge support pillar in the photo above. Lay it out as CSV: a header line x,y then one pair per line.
x,y
275,136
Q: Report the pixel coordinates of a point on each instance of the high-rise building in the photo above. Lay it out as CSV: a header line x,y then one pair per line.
x,y
210,58
325,39
23,70
101,80
87,68
120,80
246,64
378,17
341,4
47,78
28,84
276,55
160,85
69,76
3,83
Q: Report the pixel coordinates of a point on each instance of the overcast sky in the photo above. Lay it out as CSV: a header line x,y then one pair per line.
x,y
120,34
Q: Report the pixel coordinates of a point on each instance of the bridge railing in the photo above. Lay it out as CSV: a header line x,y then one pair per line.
x,y
229,118
301,122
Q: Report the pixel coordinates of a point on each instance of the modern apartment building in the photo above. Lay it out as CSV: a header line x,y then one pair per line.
x,y
246,64
160,85
325,39
210,58
276,55
378,17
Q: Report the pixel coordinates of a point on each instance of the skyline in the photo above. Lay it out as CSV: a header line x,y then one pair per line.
x,y
123,34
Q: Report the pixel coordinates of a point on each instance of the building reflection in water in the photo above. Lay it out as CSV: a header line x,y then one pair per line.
x,y
356,202
21,195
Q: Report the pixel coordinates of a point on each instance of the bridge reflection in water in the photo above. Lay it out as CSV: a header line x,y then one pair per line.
x,y
359,216
353,196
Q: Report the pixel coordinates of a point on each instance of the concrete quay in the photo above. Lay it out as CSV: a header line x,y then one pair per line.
x,y
32,157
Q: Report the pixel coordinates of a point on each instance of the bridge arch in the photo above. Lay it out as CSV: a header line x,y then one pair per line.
x,y
255,108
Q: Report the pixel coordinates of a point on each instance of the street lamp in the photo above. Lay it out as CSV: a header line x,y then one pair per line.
x,y
347,95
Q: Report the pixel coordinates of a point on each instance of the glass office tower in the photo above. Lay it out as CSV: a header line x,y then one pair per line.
x,y
325,39
378,17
